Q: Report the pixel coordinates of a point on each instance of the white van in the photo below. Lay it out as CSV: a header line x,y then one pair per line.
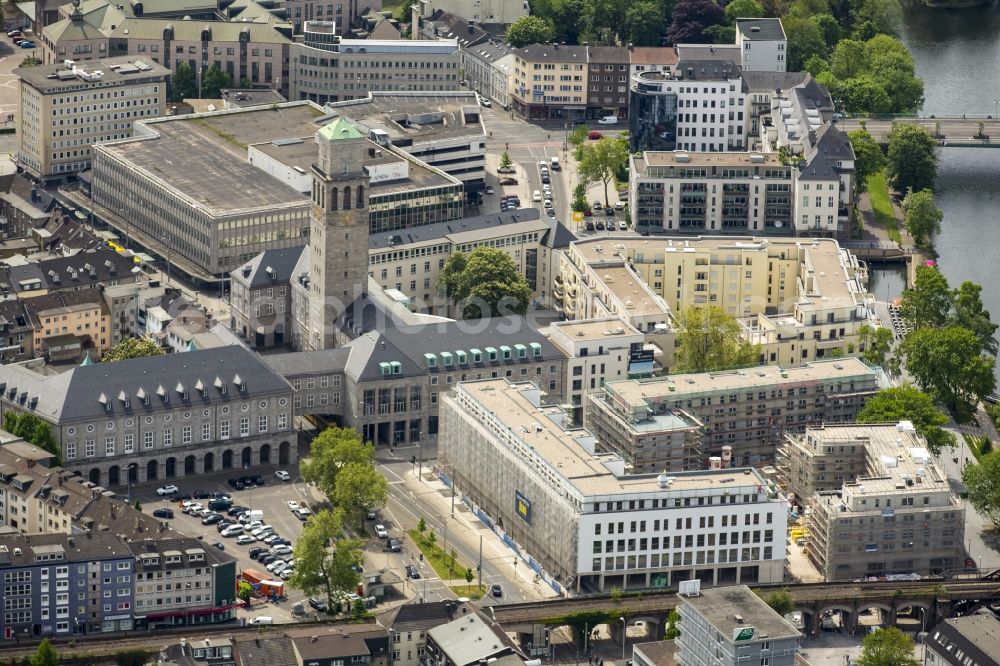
x,y
555,164
261,619
608,120
256,514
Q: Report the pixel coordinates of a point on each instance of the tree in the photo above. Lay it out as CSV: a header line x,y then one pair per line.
x,y
849,59
213,81
32,429
469,575
320,569
331,451
970,314
828,27
245,591
530,30
673,619
744,9
709,339
133,348
876,342
930,301
246,83
421,525
982,481
912,161
601,160
644,24
864,94
359,485
578,136
780,601
505,161
138,505
816,65
45,655
948,364
690,18
605,19
891,64
804,39
580,198
887,646
885,16
570,19
922,216
868,156
486,283
908,403
184,85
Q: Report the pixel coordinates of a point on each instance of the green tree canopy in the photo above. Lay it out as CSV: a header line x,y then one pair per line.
x,y
912,158
601,160
949,365
969,313
331,451
485,283
930,301
829,27
744,9
644,24
887,646
982,480
32,429
359,487
184,85
885,16
244,591
580,198
922,216
780,601
133,348
876,343
505,161
849,59
868,156
805,39
864,94
908,403
689,20
673,631
321,568
530,30
45,655
709,339
213,80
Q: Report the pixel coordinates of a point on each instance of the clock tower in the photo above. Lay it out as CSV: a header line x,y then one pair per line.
x,y
338,234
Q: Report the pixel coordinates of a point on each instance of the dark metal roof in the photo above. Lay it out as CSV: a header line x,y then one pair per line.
x,y
763,29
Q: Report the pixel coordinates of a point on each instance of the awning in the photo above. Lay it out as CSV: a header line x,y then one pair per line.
x,y
185,613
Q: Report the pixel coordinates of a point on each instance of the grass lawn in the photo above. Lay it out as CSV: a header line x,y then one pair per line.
x,y
400,9
878,192
979,447
436,557
471,591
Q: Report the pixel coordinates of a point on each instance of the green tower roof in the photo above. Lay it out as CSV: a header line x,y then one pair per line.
x,y
340,129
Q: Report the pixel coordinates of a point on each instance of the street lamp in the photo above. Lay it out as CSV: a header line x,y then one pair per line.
x,y
128,480
624,634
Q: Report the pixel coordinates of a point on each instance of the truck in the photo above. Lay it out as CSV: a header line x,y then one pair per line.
x,y
255,514
263,583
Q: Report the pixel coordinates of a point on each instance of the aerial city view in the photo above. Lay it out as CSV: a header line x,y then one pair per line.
x,y
499,332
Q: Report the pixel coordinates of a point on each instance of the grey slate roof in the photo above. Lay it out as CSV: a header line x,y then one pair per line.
x,y
90,267
452,26
773,81
832,146
290,364
282,261
79,548
75,395
431,232
212,555
977,636
553,53
768,29
418,617
708,70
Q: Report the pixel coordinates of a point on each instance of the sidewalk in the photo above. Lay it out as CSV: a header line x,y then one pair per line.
x,y
466,528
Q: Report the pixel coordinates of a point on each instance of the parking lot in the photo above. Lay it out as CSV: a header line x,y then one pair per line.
x,y
271,498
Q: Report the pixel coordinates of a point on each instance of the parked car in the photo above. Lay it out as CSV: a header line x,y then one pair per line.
x,y
485,102
274,565
594,135
254,552
232,530
371,514
381,532
266,558
536,196
508,181
27,45
600,225
258,480
619,205
244,539
220,504
302,513
292,504
317,604
590,225
224,524
237,511
597,205
261,619
168,489
496,590
283,475
608,120
609,211
412,571
623,225
394,545
211,519
164,513
14,33
271,538
219,545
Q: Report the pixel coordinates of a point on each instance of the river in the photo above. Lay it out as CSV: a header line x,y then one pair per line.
x,y
958,56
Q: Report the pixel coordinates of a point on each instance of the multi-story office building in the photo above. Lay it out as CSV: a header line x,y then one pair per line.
x,y
165,416
799,299
898,517
745,412
723,193
588,523
550,81
730,626
182,581
327,68
66,107
598,351
444,130
254,48
60,585
342,13
389,383
972,640
493,13
762,43
607,81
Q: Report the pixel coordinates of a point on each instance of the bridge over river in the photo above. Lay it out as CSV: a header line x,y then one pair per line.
x,y
960,132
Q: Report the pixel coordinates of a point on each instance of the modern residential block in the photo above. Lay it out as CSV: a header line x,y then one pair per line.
x,y
746,413
587,522
762,43
899,516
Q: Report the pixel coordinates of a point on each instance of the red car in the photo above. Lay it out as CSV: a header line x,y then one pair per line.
x,y
588,213
594,135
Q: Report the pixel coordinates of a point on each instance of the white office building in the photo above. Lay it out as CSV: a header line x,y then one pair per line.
x,y
763,45
583,520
